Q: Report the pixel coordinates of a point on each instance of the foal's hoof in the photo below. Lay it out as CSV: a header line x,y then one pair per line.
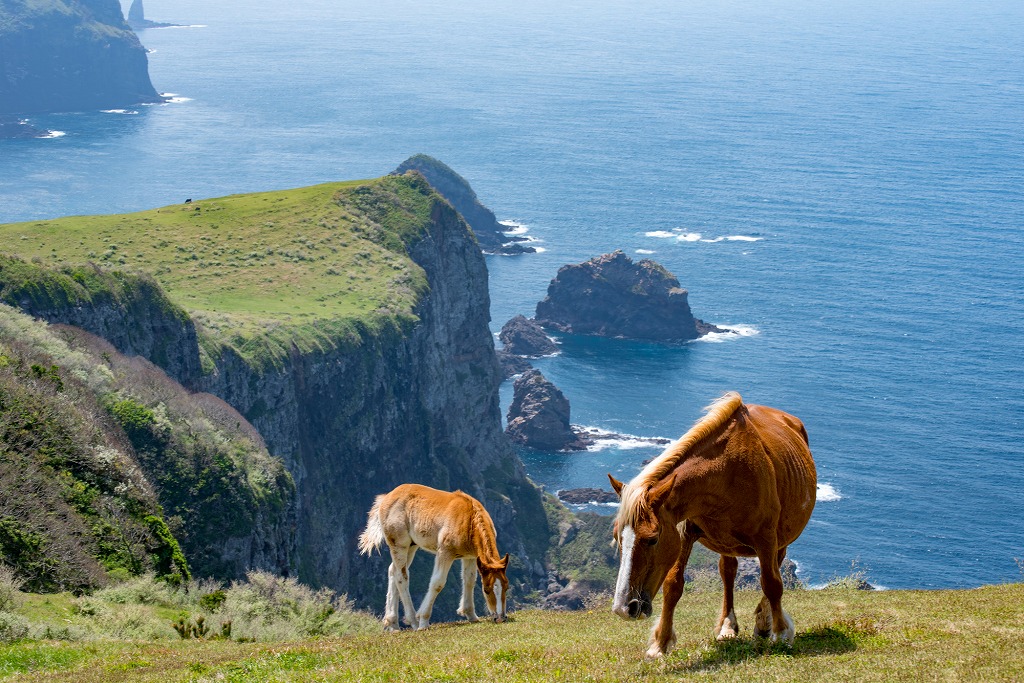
x,y
727,632
470,616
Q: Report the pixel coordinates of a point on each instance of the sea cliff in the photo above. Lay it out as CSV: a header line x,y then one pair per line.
x,y
386,375
69,55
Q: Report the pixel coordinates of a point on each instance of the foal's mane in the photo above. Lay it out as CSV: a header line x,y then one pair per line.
x,y
484,532
634,494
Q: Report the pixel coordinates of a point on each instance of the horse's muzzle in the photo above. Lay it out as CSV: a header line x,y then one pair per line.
x,y
640,608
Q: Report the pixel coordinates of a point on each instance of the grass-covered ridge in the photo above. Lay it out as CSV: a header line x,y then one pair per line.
x,y
258,272
842,635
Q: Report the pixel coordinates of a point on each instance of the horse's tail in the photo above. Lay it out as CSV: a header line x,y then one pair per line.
x,y
373,535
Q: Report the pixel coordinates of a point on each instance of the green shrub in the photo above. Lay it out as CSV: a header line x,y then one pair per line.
x,y
12,627
10,589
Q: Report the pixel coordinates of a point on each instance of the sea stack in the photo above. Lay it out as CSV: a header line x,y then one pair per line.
x,y
611,296
539,415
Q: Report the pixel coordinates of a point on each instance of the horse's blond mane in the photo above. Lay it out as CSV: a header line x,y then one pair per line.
x,y
484,531
634,498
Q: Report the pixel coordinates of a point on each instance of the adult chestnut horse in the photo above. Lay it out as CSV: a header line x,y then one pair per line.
x,y
742,482
451,525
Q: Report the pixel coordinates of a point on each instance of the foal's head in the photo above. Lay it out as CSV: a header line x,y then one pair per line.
x,y
648,546
495,583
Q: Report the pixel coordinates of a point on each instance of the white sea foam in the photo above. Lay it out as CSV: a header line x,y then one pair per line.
x,y
514,227
604,440
732,332
689,237
119,111
50,134
660,233
827,493
743,238
645,251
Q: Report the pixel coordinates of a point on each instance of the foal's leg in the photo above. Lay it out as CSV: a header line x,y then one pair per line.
x,y
727,627
401,560
780,623
442,563
467,608
663,636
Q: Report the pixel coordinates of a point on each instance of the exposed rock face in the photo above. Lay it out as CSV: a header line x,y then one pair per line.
x,y
524,337
453,187
129,311
70,55
539,415
610,296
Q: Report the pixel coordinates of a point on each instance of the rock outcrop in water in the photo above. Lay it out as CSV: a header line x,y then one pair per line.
x,y
611,296
453,187
539,415
70,55
523,337
137,18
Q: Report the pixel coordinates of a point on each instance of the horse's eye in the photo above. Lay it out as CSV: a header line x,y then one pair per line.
x,y
652,541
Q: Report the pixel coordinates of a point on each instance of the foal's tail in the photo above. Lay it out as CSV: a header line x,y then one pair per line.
x,y
373,535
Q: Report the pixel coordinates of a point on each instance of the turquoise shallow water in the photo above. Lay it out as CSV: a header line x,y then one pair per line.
x,y
869,156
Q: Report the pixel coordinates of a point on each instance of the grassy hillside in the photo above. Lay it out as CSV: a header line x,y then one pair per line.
x,y
296,265
842,635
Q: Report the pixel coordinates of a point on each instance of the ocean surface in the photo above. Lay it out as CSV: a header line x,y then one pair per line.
x,y
841,182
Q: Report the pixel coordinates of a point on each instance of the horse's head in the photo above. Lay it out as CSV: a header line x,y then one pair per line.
x,y
648,546
495,583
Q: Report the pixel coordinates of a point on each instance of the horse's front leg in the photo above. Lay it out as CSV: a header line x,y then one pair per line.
x,y
727,626
442,563
467,608
663,636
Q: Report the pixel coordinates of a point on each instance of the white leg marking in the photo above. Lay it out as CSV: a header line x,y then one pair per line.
x,y
499,603
730,627
620,605
788,635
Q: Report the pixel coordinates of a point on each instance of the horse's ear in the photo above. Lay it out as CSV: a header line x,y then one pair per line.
x,y
616,484
504,562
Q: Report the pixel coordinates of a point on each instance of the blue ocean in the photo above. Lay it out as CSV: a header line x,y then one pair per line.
x,y
842,183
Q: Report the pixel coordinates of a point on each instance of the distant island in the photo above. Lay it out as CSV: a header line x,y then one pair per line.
x,y
69,55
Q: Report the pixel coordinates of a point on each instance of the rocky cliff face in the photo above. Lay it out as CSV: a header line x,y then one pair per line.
x,y
611,296
69,55
407,397
417,407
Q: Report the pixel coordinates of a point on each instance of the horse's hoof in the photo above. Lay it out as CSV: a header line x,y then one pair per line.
x,y
656,652
726,633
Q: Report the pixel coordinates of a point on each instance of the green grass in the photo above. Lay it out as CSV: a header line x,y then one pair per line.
x,y
842,635
244,265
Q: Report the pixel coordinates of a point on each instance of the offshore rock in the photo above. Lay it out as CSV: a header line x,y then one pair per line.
x,y
523,337
611,296
748,576
539,415
512,365
586,496
70,55
453,187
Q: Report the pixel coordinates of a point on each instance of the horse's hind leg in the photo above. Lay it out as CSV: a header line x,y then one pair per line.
x,y
398,587
727,626
442,563
769,615
467,608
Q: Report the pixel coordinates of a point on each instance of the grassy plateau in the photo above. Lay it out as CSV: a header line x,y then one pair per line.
x,y
842,635
246,265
